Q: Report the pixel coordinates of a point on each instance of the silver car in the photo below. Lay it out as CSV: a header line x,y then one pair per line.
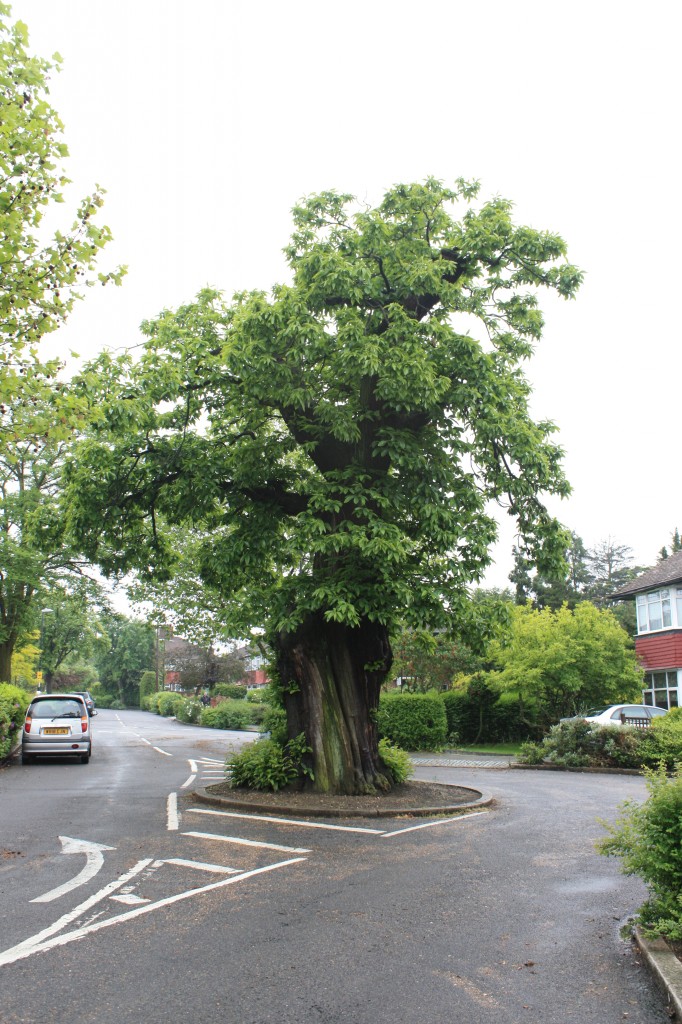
x,y
57,724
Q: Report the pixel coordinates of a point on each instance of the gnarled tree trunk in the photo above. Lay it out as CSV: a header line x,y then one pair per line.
x,y
332,675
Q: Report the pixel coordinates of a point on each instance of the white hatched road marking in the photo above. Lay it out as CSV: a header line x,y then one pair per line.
x,y
245,842
40,942
172,816
220,869
286,821
94,859
430,824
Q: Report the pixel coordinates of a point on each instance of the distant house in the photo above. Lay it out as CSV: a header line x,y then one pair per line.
x,y
658,644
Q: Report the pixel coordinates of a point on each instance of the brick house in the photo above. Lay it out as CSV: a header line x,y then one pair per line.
x,y
658,643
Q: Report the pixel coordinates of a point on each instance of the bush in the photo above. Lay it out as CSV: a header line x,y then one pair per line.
x,y
13,704
147,686
275,723
104,700
234,690
230,714
267,765
662,742
259,696
413,721
396,760
473,717
580,744
189,710
167,703
117,705
648,839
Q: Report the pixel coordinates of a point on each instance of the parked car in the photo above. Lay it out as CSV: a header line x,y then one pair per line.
x,y
620,714
89,701
57,724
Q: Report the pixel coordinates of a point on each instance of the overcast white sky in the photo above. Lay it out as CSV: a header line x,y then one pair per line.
x,y
207,121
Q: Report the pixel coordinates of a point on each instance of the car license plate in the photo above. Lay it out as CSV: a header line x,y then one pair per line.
x,y
55,732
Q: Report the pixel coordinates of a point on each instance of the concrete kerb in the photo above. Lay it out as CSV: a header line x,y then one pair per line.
x,y
320,811
665,967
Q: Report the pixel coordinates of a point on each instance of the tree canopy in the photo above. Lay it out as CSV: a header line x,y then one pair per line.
x,y
334,445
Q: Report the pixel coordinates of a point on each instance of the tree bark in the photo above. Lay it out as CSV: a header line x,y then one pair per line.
x,y
331,676
6,651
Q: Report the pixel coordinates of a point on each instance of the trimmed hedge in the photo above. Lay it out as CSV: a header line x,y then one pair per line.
x,y
237,691
231,714
413,721
13,704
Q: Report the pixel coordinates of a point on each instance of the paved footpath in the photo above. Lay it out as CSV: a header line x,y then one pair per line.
x,y
460,759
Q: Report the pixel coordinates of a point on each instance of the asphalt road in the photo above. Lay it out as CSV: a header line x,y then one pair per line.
x,y
150,909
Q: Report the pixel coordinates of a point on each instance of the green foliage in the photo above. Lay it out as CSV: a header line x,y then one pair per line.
x,y
168,702
663,741
560,662
397,761
13,704
234,690
580,744
425,660
333,446
147,687
230,713
267,765
189,711
128,653
105,700
42,277
275,723
413,721
648,840
478,714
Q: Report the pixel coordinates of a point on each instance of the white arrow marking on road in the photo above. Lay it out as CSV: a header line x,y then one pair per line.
x,y
94,854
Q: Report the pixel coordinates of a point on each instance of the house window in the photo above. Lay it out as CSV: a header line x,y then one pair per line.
x,y
653,611
661,689
679,607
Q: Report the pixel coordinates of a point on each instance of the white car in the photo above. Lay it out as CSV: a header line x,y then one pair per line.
x,y
620,714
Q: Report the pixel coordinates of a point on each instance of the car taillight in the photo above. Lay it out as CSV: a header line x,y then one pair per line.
x,y
27,725
84,724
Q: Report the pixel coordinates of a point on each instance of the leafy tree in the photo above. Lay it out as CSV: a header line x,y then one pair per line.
x,y
70,629
611,567
551,592
426,661
675,545
563,662
42,273
34,554
334,445
129,653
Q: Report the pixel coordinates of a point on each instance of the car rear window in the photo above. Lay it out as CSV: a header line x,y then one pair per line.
x,y
56,709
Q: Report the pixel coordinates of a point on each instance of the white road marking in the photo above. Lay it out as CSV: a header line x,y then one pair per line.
x,y
17,952
148,742
35,945
189,782
430,824
130,898
192,766
160,751
94,859
245,842
200,866
172,816
289,821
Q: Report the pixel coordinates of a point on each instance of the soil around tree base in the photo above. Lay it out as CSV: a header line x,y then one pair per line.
x,y
420,799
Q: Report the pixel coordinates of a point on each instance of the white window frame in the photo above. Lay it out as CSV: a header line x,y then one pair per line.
x,y
648,603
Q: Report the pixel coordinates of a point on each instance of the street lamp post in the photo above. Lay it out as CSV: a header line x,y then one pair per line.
x,y
43,613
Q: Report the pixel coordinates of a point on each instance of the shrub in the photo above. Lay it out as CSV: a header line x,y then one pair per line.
x,y
396,760
230,714
580,744
104,700
259,696
234,690
13,703
189,710
473,717
648,839
663,740
167,703
531,753
413,721
267,765
275,723
117,705
147,686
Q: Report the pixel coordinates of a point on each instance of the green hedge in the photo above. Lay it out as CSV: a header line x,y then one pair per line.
x,y
475,716
234,690
13,704
413,721
231,714
167,703
648,840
